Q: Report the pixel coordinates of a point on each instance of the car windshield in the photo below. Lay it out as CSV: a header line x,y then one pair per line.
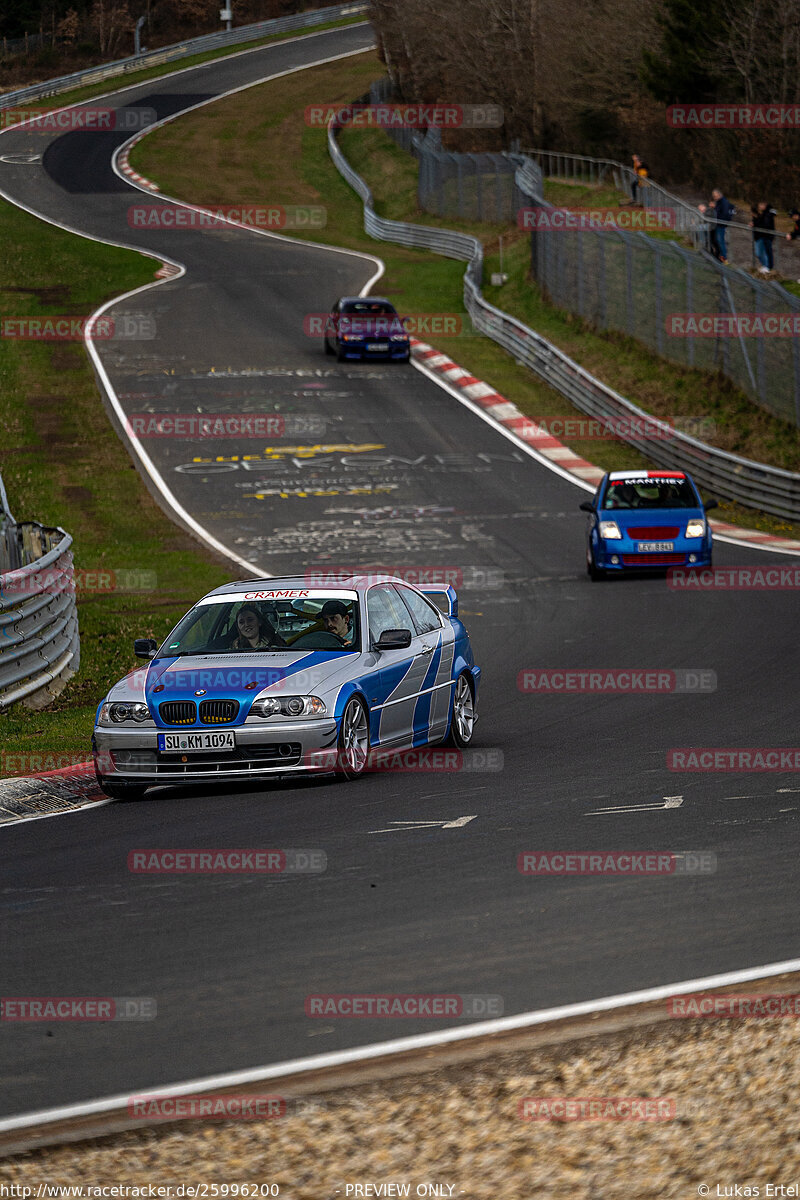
x,y
370,317
321,622
662,491
368,306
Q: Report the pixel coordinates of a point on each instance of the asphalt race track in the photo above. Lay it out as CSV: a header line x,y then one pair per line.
x,y
379,465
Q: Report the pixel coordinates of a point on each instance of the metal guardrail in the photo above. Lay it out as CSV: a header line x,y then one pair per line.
x,y
166,54
39,643
423,237
581,168
10,550
726,475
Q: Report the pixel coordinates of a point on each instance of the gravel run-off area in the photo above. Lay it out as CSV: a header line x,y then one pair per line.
x,y
735,1121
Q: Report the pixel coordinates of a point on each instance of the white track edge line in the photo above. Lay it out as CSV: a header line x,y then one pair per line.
x,y
63,812
507,433
734,541
149,466
554,467
147,463
339,1058
365,290
134,442
126,147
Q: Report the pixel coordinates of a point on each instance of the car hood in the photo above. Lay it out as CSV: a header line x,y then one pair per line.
x,y
651,518
227,676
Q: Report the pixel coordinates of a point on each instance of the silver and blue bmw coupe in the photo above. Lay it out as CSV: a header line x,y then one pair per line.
x,y
277,677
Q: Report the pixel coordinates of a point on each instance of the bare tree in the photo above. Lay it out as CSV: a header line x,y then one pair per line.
x,y
110,21
760,52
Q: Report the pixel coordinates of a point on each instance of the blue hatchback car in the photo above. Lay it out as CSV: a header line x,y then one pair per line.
x,y
366,327
646,519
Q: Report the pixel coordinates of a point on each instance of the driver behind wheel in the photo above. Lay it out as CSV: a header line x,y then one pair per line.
x,y
338,620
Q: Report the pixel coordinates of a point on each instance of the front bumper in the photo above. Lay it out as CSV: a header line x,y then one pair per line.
x,y
356,350
624,555
288,748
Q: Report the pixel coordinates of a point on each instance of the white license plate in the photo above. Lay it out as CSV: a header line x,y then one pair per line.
x,y
197,742
377,346
655,547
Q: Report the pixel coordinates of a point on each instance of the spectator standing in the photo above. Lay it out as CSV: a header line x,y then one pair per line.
x,y
640,173
795,215
763,224
720,212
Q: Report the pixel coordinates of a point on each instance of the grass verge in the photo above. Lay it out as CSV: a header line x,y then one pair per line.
x,y
63,464
256,148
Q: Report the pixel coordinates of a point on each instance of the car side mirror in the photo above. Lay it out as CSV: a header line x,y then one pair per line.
x,y
709,504
145,647
394,639
587,506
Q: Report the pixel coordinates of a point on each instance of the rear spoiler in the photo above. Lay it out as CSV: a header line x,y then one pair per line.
x,y
444,598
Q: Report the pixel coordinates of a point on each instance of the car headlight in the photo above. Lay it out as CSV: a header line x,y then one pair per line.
x,y
288,706
610,531
399,337
118,711
696,528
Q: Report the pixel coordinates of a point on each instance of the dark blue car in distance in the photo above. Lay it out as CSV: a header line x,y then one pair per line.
x,y
646,519
366,327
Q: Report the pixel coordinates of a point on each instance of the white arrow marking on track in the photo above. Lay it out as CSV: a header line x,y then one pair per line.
x,y
668,802
401,826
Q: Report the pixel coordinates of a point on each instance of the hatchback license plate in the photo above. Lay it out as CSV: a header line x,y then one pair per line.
x,y
656,547
202,742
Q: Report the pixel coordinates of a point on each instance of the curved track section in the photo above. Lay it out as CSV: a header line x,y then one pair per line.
x,y
386,467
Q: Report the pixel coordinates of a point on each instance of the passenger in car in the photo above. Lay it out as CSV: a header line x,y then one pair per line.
x,y
255,632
